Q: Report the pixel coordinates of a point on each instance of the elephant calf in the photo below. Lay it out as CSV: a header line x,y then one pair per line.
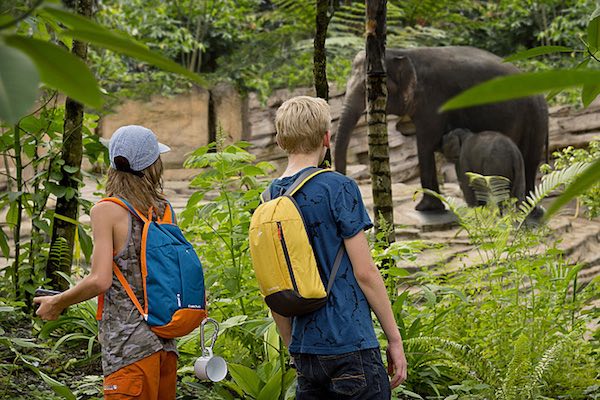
x,y
485,153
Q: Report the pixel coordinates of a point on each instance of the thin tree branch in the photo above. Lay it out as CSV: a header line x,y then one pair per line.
x,y
22,17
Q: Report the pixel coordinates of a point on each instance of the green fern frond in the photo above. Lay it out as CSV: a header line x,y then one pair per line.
x,y
303,11
518,372
454,204
548,360
60,254
549,183
471,361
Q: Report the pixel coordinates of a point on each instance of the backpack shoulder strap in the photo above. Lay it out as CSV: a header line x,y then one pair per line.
x,y
266,195
169,214
298,183
126,205
336,267
303,178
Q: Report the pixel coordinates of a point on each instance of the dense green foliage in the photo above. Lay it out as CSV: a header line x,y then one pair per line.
x,y
260,45
509,320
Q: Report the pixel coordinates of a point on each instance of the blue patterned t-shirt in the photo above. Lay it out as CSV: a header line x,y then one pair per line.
x,y
333,210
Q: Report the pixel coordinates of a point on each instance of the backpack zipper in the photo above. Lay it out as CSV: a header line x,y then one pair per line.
x,y
286,255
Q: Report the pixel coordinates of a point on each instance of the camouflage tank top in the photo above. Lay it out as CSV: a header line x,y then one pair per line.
x,y
124,336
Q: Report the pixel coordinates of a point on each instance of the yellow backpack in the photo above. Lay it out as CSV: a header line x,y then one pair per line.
x,y
282,255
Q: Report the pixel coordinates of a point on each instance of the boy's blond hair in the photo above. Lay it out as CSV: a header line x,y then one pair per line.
x,y
301,124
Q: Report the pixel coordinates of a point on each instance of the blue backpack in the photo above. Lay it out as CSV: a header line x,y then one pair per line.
x,y
172,276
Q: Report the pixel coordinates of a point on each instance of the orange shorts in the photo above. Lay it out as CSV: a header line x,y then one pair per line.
x,y
151,378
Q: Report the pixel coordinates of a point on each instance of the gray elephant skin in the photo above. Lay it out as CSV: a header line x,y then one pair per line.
x,y
419,81
486,153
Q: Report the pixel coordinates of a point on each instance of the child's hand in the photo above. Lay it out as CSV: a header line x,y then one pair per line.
x,y
397,365
49,307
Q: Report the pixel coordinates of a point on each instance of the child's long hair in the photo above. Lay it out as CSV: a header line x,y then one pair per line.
x,y
142,192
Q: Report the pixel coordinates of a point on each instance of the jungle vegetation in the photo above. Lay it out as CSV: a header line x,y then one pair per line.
x,y
516,324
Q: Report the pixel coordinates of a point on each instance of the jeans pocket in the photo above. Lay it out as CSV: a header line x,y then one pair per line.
x,y
345,371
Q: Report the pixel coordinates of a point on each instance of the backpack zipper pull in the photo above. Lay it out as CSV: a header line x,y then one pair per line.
x,y
179,300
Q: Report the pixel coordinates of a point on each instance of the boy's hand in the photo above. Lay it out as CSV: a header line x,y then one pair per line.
x,y
49,307
397,365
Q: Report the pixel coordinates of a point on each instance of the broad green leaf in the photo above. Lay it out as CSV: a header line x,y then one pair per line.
x,y
4,244
124,45
273,388
593,34
536,52
589,94
71,169
12,215
588,178
59,388
19,81
246,378
60,69
25,343
87,30
85,242
521,85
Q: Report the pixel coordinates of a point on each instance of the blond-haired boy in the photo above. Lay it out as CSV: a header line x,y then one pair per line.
x,y
335,349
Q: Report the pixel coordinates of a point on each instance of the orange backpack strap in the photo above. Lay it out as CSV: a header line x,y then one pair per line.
x,y
128,290
100,307
126,206
169,214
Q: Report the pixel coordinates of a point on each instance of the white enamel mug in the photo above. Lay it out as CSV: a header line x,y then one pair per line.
x,y
208,366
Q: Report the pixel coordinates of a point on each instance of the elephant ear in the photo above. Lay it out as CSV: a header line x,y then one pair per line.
x,y
405,75
451,146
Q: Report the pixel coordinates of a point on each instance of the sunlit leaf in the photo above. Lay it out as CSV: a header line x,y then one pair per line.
x,y
593,34
536,52
4,244
85,241
18,84
60,69
521,85
246,378
87,30
589,94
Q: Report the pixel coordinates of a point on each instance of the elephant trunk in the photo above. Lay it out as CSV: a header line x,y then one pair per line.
x,y
354,106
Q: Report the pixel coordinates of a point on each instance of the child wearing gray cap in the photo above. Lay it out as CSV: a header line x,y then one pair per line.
x,y
135,361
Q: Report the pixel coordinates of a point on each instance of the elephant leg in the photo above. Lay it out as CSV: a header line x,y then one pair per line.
x,y
469,193
428,137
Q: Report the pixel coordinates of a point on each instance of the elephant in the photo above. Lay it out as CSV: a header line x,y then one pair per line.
x,y
419,81
485,153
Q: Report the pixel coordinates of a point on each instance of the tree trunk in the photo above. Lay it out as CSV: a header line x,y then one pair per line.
x,y
379,165
320,57
67,207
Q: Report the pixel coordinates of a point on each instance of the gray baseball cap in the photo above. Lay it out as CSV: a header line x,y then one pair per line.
x,y
134,148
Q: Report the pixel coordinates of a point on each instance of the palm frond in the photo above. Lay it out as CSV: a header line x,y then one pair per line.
x,y
491,189
549,183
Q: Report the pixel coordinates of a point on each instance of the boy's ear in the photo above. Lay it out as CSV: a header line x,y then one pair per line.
x,y
327,139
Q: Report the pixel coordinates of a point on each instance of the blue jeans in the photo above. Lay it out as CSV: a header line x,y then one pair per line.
x,y
357,375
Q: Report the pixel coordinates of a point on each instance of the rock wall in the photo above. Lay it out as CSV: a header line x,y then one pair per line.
x,y
182,122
